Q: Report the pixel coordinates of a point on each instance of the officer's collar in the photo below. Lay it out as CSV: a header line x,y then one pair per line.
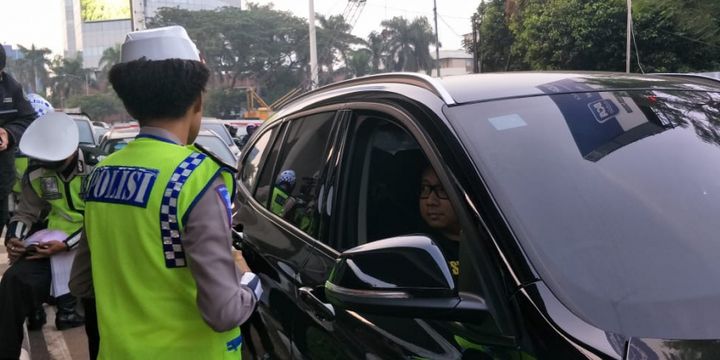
x,y
158,134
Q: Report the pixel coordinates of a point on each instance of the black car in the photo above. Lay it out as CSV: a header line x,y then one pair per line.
x,y
588,207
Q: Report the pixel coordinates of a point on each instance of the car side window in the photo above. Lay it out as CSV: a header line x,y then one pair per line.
x,y
294,187
250,170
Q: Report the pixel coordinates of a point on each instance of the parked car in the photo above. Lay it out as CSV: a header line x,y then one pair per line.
x,y
86,128
587,204
118,138
218,127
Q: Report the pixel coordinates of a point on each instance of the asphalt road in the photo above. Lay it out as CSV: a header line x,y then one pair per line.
x,y
49,343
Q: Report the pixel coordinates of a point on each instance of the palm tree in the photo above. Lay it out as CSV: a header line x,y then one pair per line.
x,y
408,44
69,78
359,62
376,46
109,58
334,40
31,70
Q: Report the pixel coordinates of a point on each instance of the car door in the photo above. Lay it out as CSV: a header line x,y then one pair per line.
x,y
377,175
276,217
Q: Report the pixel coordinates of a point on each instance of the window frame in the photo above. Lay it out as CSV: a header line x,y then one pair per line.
x,y
280,137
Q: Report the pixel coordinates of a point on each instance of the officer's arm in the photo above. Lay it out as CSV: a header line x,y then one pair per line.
x,y
224,302
27,213
81,284
25,115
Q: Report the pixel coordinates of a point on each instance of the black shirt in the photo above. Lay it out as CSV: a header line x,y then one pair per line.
x,y
451,250
16,114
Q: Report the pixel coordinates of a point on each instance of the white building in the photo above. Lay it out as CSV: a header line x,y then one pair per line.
x,y
453,62
93,37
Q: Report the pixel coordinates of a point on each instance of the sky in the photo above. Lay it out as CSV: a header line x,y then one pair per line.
x,y
39,22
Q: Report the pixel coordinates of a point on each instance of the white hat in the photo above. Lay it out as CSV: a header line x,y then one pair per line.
x,y
170,42
51,137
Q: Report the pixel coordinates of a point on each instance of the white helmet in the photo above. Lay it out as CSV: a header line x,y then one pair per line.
x,y
51,137
39,104
171,42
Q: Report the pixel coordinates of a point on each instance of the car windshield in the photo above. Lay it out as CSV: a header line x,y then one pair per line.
x,y
113,145
214,144
615,198
86,131
220,130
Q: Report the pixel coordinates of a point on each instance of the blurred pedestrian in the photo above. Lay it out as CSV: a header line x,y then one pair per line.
x,y
16,113
157,250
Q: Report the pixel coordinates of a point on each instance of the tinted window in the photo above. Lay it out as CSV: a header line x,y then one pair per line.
x,y
615,197
295,187
86,132
251,165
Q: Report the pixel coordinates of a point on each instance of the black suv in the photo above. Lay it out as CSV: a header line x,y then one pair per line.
x,y
586,211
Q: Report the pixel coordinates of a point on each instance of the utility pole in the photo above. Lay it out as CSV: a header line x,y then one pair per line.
x,y
313,47
476,67
437,40
629,34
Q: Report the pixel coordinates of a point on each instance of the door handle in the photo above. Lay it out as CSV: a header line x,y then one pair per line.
x,y
323,310
237,239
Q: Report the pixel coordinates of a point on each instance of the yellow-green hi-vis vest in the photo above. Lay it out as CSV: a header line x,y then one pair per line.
x,y
136,201
65,199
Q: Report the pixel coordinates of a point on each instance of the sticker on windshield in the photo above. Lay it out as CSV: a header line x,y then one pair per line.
x,y
506,122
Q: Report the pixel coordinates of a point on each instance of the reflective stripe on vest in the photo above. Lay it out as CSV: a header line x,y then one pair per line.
x,y
169,225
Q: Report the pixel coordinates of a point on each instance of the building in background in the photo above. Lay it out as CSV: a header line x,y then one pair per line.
x,y
106,22
73,28
454,62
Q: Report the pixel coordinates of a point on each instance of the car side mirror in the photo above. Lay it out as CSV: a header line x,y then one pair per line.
x,y
401,276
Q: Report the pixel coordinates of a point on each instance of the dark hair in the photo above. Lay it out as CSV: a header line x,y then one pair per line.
x,y
2,57
158,89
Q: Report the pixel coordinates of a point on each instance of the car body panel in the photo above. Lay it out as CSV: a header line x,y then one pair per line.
x,y
535,322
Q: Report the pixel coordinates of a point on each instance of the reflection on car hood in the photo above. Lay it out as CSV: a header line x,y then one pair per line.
x,y
656,349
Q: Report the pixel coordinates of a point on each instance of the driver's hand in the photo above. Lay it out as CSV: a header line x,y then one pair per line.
x,y
4,139
48,249
15,249
240,261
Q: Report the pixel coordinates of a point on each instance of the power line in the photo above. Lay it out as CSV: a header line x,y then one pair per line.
x,y
448,25
419,12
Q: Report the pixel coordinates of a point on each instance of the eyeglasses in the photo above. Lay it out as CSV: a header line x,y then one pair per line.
x,y
438,189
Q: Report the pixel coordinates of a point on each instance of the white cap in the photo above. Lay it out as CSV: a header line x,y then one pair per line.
x,y
51,137
164,43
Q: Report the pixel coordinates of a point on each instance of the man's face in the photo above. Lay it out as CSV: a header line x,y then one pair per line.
x,y
435,208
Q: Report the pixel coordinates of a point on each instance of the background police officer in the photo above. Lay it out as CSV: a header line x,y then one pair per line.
x,y
50,190
157,229
15,116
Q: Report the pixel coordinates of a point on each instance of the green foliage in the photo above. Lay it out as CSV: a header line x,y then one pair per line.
x,y
96,10
671,35
225,103
102,106
69,79
407,44
32,69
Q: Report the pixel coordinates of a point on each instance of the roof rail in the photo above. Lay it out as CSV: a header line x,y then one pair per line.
x,y
690,75
416,79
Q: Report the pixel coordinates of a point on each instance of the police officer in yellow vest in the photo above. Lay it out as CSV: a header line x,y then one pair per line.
x,y
51,186
157,229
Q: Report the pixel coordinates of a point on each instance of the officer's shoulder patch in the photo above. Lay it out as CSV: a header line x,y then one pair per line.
x,y
224,195
215,158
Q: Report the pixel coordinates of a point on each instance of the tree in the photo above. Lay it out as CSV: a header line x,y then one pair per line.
x,y
376,46
495,39
32,69
408,44
105,107
359,62
334,42
69,79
